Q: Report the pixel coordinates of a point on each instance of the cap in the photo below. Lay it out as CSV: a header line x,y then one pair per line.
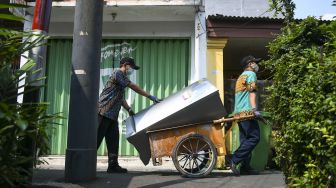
x,y
129,61
248,59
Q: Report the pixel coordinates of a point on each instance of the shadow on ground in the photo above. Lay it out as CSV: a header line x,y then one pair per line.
x,y
55,178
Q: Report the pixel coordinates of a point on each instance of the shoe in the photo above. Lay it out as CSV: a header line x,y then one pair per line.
x,y
234,168
116,169
228,159
113,165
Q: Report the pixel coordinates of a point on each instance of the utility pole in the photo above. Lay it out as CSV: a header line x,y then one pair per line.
x,y
81,153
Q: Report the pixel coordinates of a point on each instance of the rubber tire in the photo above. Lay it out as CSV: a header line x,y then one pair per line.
x,y
177,165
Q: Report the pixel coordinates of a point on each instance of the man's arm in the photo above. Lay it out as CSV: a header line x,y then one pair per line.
x,y
253,100
137,89
140,91
251,87
125,105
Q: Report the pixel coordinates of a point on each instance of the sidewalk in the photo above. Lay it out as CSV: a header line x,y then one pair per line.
x,y
52,175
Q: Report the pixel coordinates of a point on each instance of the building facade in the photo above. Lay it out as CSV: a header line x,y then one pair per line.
x,y
166,38
176,42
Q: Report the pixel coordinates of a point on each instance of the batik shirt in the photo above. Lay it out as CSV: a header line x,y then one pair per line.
x,y
245,84
112,96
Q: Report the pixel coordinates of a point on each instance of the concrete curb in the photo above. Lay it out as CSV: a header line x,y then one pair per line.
x,y
131,163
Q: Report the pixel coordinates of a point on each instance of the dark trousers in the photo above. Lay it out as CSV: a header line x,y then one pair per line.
x,y
249,138
109,129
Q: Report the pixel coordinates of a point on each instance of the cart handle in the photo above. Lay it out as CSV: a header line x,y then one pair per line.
x,y
218,121
224,120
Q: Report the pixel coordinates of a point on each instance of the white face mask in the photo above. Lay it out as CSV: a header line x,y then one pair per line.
x,y
129,71
255,67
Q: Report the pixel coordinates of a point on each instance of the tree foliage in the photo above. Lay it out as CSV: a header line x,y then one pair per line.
x,y
19,121
283,7
302,101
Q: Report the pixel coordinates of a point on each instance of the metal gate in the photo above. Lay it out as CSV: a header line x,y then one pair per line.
x,y
165,69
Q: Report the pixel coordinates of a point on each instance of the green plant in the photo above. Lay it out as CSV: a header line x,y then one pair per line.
x,y
283,7
19,122
302,101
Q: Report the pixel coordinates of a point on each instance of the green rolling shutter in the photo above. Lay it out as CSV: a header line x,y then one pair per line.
x,y
165,69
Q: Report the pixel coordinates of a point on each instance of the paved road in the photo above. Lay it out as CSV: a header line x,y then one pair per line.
x,y
141,176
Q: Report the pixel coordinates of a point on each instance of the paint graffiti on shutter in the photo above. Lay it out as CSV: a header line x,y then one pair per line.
x,y
117,51
114,53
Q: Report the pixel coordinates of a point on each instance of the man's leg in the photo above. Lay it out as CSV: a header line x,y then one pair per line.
x,y
103,124
243,137
112,137
112,142
245,164
245,167
251,129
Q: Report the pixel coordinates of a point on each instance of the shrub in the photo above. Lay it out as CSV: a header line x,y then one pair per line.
x,y
19,122
302,101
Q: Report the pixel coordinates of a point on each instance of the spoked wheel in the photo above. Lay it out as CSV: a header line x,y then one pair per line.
x,y
194,156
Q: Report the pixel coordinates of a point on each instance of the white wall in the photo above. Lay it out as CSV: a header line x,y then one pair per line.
x,y
199,46
248,8
131,29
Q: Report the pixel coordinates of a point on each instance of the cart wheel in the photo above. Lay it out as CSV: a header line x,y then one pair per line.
x,y
194,156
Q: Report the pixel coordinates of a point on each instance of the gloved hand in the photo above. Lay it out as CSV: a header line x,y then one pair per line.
x,y
130,112
257,113
154,99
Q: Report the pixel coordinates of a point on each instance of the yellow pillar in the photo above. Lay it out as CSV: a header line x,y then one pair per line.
x,y
215,73
215,63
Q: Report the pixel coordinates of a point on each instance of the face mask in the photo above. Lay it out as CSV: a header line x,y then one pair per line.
x,y
255,67
129,71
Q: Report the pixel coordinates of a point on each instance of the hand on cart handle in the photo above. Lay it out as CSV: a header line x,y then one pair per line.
x,y
154,99
130,112
257,113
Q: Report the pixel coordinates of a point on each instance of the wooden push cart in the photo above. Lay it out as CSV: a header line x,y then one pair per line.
x,y
194,148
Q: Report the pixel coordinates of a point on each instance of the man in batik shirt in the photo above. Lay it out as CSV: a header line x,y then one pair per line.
x,y
245,104
110,101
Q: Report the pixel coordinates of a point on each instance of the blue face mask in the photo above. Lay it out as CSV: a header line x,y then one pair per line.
x,y
129,71
255,67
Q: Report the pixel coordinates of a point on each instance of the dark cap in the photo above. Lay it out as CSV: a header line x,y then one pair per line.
x,y
248,59
129,61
